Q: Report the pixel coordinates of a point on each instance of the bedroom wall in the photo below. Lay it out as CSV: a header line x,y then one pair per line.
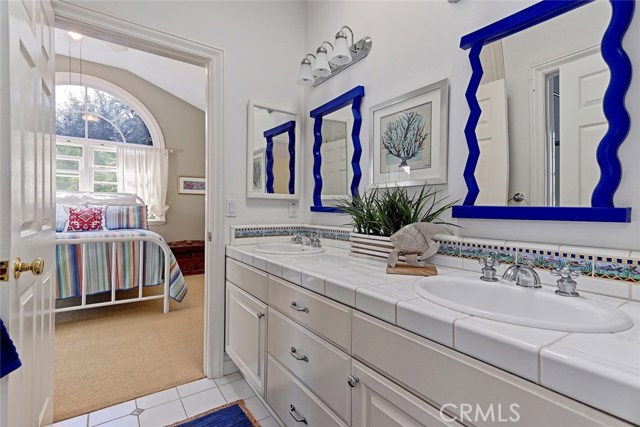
x,y
416,44
183,129
263,43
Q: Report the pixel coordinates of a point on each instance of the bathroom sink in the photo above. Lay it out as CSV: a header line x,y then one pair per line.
x,y
287,249
506,302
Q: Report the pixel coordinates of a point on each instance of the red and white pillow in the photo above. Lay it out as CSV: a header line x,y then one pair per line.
x,y
85,218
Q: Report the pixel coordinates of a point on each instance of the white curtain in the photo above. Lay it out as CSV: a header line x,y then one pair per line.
x,y
144,171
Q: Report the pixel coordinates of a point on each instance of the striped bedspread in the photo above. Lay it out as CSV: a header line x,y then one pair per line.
x,y
127,264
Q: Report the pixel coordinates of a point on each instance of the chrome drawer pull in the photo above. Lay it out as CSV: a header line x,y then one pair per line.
x,y
294,353
296,416
297,307
260,315
352,381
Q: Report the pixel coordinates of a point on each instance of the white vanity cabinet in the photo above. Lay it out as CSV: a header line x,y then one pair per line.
x,y
319,363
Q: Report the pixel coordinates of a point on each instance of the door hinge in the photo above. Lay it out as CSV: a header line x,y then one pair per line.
x,y
209,236
4,271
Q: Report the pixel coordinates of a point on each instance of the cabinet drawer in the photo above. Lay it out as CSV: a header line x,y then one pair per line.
x,y
248,278
317,364
329,319
378,402
444,376
291,400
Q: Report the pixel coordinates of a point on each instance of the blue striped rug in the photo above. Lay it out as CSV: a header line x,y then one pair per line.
x,y
234,414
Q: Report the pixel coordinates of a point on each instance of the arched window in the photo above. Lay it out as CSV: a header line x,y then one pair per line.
x,y
93,116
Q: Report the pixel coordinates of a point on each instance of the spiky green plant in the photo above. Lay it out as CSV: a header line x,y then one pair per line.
x,y
382,212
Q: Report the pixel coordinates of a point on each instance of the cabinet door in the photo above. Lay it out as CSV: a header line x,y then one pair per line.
x,y
378,402
246,335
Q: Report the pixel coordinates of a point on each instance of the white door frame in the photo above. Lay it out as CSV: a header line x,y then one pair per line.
x,y
538,108
108,28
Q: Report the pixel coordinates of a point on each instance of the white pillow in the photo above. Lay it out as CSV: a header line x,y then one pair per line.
x,y
76,198
112,199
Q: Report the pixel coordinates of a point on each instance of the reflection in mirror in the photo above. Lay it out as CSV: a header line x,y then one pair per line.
x,y
336,149
335,154
542,119
272,152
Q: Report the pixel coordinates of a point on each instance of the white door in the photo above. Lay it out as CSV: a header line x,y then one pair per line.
x,y
583,83
492,171
334,167
378,402
246,335
26,206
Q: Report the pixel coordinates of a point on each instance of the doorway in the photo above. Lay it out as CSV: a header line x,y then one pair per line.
x,y
73,18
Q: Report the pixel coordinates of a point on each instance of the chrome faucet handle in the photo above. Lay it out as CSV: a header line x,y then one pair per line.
x,y
489,264
566,284
315,240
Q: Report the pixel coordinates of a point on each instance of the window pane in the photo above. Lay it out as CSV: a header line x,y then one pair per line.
x,y
68,165
104,104
68,150
69,124
105,188
67,183
133,128
103,130
105,158
69,98
105,176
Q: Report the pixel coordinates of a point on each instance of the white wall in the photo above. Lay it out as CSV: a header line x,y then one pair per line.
x,y
416,44
263,43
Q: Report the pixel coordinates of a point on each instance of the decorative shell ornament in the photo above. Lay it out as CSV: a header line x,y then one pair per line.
x,y
415,240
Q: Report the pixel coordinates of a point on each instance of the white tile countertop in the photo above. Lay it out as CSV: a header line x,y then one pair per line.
x,y
601,369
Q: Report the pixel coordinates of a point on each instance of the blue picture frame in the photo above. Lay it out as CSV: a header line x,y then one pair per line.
x,y
269,134
354,98
602,207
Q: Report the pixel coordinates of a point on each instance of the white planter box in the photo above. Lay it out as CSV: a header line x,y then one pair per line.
x,y
371,247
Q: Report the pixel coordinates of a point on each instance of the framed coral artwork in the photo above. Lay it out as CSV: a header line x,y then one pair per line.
x,y
409,137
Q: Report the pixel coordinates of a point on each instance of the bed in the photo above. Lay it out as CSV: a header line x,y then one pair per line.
x,y
103,246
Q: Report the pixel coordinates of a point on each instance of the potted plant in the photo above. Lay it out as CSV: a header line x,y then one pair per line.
x,y
380,212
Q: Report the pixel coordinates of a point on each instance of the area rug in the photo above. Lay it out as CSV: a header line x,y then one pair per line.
x,y
234,414
108,355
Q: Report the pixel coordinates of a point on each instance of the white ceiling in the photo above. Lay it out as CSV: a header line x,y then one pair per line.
x,y
185,81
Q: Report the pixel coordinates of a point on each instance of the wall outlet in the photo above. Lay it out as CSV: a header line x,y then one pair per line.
x,y
293,209
231,207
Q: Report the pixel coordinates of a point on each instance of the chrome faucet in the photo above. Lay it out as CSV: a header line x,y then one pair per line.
x,y
566,284
301,239
523,275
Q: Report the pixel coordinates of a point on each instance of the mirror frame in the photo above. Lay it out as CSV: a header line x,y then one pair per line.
x,y
292,130
353,98
602,207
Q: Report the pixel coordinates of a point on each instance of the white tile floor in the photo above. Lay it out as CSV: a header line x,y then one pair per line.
x,y
175,404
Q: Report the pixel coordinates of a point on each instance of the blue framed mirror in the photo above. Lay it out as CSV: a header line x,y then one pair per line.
x,y
337,149
272,152
547,113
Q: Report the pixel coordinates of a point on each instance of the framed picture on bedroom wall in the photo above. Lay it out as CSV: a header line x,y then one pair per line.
x,y
410,137
191,185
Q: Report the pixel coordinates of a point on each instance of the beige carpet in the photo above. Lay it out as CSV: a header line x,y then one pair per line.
x,y
107,355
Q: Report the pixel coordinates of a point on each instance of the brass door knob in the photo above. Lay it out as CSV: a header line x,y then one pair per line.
x,y
36,267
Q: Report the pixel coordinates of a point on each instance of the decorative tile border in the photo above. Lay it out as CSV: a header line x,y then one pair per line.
x,y
552,260
504,254
583,260
333,236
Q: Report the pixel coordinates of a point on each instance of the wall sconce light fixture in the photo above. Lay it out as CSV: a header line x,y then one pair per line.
x,y
342,56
